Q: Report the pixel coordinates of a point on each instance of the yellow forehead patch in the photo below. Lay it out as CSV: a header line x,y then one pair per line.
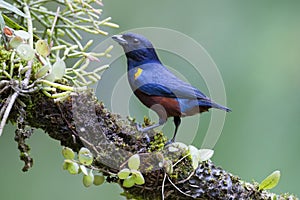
x,y
138,73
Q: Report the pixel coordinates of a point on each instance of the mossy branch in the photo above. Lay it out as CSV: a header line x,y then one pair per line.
x,y
81,120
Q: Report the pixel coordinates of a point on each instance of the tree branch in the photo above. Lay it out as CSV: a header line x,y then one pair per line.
x,y
81,121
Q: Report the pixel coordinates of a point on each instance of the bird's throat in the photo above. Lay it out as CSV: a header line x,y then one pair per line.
x,y
141,56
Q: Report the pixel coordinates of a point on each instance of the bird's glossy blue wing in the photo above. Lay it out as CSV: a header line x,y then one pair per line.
x,y
157,90
157,80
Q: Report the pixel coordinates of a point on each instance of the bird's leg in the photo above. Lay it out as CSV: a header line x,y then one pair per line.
x,y
160,122
141,129
177,122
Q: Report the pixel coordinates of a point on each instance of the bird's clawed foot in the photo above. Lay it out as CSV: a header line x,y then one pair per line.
x,y
139,127
148,128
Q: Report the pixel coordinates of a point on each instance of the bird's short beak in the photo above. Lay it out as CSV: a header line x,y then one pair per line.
x,y
119,39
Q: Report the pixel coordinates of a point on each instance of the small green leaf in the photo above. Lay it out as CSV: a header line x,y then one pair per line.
x,y
68,153
138,177
50,77
25,52
65,165
71,166
2,22
134,162
205,154
83,169
176,146
15,42
42,48
85,156
58,69
98,179
88,179
22,34
195,161
43,71
124,173
194,151
271,181
195,156
129,182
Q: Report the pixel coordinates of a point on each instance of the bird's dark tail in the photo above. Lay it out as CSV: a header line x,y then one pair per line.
x,y
218,106
213,105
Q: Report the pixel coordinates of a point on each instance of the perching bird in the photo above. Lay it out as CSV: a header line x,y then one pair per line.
x,y
157,87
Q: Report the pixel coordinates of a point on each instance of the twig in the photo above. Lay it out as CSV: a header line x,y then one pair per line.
x,y
188,178
3,83
12,98
11,102
4,88
12,57
163,187
54,21
178,188
29,24
102,170
89,144
27,91
57,85
4,107
38,18
25,82
180,160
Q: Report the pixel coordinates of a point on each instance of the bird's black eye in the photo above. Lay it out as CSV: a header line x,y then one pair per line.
x,y
136,41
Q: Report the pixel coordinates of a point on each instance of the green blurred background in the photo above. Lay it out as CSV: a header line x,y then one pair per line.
x,y
255,45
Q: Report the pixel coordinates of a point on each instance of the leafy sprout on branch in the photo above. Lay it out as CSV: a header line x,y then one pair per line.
x,y
39,42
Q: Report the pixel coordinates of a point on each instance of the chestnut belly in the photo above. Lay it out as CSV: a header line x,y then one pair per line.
x,y
163,106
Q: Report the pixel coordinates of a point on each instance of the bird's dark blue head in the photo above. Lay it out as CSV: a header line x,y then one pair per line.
x,y
138,49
